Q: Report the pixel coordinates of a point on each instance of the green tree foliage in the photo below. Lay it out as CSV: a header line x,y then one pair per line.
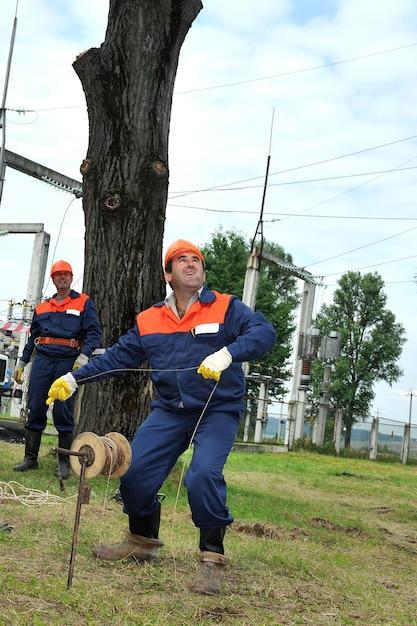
x,y
371,344
226,257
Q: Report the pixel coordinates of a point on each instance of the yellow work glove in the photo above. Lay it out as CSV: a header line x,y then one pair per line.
x,y
18,373
214,364
80,361
62,388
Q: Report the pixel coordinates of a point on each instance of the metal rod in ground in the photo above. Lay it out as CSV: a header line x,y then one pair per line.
x,y
83,462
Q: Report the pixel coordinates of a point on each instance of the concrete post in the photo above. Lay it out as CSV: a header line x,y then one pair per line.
x,y
337,430
323,408
405,448
260,415
373,440
299,420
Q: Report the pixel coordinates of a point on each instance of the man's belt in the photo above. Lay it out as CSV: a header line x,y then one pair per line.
x,y
56,341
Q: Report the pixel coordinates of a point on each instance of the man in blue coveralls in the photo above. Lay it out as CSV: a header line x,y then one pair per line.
x,y
193,333
64,332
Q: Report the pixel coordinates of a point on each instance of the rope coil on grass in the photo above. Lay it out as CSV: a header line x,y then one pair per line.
x,y
29,496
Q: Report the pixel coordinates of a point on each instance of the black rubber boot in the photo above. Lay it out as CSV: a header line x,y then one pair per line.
x,y
146,525
63,469
32,445
211,539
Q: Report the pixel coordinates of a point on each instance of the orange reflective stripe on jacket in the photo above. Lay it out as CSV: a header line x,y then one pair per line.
x,y
52,305
159,319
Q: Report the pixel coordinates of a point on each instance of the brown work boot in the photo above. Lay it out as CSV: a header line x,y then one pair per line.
x,y
210,573
133,547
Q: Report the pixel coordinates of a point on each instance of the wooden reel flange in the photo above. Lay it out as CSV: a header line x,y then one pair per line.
x,y
109,455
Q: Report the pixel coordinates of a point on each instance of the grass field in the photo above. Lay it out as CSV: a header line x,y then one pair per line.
x,y
316,540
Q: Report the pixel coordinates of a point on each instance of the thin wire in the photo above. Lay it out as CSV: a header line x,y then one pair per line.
x,y
368,245
180,193
365,267
184,462
133,369
367,182
306,69
58,238
243,82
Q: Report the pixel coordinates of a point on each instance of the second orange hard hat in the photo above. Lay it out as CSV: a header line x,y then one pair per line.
x,y
61,266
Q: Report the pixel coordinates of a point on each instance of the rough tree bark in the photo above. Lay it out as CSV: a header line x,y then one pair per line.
x,y
128,84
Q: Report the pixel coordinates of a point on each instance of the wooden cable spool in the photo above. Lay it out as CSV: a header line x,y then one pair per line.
x,y
108,456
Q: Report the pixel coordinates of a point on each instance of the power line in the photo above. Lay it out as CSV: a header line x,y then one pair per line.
x,y
307,180
348,217
298,167
327,217
300,71
272,214
320,180
362,247
365,267
343,193
243,82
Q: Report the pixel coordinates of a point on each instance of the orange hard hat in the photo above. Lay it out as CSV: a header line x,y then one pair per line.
x,y
180,247
61,266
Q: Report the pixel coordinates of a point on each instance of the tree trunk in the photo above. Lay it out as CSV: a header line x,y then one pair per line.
x,y
128,83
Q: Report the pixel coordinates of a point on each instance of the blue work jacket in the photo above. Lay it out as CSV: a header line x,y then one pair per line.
x,y
174,349
75,317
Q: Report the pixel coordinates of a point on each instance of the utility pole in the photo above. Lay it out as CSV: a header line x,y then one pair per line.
x,y
302,365
411,407
3,111
20,163
261,415
329,353
308,346
407,432
39,258
405,450
249,297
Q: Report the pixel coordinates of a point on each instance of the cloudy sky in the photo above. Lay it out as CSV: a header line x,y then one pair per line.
x,y
326,89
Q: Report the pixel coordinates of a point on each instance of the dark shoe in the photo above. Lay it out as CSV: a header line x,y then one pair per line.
x,y
26,464
63,468
32,445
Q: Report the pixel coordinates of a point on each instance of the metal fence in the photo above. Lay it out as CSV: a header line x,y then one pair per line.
x,y
386,436
391,437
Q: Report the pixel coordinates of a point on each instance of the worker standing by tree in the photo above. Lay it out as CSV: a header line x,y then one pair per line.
x,y
64,332
194,331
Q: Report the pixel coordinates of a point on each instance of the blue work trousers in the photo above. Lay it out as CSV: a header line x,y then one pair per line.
x,y
43,373
156,447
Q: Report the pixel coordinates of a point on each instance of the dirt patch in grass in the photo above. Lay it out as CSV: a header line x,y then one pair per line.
x,y
280,532
259,530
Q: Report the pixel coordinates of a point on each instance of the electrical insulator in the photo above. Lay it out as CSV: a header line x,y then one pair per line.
x,y
10,310
25,310
305,373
